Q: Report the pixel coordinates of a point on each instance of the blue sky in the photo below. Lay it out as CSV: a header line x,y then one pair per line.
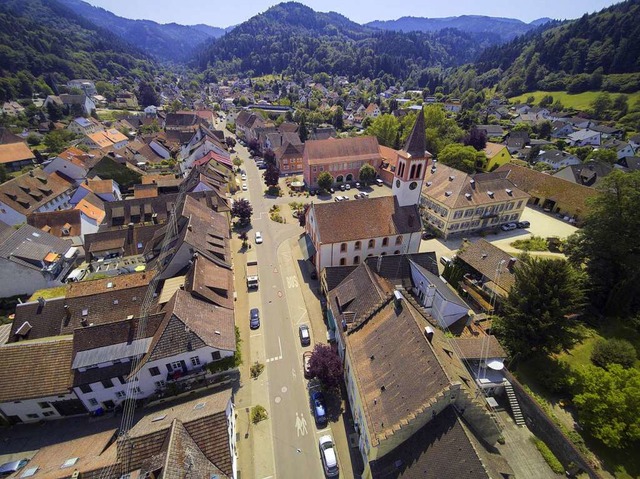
x,y
226,12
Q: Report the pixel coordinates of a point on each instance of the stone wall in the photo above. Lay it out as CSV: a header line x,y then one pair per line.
x,y
543,427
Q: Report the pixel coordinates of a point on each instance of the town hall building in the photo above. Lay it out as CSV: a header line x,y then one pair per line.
x,y
346,233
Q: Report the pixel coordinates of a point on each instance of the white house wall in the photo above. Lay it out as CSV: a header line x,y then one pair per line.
x,y
27,407
10,216
17,279
231,431
67,168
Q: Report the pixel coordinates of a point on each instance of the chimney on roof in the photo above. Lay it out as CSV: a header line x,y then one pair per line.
x,y
132,334
473,183
41,301
67,315
428,332
511,263
397,300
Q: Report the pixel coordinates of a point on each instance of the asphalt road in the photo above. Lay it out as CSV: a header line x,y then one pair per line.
x,y
279,298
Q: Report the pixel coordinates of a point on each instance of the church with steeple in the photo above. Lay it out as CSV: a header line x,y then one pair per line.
x,y
348,232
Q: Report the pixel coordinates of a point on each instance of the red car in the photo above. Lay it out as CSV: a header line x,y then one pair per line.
x,y
306,359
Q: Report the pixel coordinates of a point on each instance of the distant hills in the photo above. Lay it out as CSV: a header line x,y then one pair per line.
x,y
44,44
292,37
504,28
164,41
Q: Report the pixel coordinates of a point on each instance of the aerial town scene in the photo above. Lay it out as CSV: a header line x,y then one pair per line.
x,y
265,240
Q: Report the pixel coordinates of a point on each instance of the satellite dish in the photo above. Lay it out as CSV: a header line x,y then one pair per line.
x,y
495,364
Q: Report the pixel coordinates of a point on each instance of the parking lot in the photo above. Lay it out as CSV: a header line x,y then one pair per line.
x,y
542,224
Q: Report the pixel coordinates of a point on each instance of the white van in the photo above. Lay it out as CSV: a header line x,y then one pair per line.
x,y
379,182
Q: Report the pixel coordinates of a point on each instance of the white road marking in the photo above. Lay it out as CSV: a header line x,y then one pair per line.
x,y
292,282
293,372
301,425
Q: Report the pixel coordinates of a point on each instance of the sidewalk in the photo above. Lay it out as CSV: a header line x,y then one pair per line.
x,y
349,457
254,442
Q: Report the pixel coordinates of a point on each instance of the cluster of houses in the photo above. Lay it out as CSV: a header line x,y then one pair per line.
x,y
125,276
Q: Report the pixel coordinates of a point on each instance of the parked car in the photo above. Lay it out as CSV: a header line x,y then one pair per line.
x,y
312,192
332,191
9,468
306,361
254,318
364,195
379,182
509,227
345,198
445,261
356,196
305,336
258,237
347,187
244,187
427,235
243,176
319,409
357,185
328,456
343,187
523,224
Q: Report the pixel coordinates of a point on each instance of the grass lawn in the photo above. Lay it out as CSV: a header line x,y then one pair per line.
x,y
579,101
49,293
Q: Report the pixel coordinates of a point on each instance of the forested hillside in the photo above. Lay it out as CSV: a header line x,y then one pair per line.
x,y
44,44
586,54
164,41
291,37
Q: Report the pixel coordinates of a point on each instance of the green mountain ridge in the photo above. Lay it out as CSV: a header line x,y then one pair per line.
x,y
292,37
169,41
43,44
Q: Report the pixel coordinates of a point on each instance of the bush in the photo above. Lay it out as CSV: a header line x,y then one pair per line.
x,y
618,351
256,369
552,460
258,413
535,243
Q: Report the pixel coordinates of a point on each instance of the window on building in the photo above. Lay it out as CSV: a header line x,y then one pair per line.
x,y
385,241
357,246
396,251
479,211
48,413
160,384
398,239
33,416
465,225
195,361
86,388
343,247
457,215
356,259
509,206
44,405
343,261
519,204
136,390
372,243
93,402
315,169
120,394
468,213
107,383
500,207
215,355
154,371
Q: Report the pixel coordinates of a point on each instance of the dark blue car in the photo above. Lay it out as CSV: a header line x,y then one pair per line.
x,y
319,408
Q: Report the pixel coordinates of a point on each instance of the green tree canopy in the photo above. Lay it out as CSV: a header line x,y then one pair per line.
x,y
385,129
57,140
325,180
535,313
603,155
367,173
607,403
461,157
612,263
440,130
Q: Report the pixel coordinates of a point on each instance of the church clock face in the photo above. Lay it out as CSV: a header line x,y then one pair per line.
x,y
413,185
397,183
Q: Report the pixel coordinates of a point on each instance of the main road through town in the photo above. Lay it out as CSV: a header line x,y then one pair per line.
x,y
282,310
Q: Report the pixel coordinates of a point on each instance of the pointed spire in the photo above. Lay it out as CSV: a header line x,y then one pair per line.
x,y
417,142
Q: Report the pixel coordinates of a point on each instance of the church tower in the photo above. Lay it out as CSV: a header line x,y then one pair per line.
x,y
411,165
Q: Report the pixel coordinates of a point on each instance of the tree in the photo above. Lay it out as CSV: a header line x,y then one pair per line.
x,y
476,138
147,95
33,139
338,120
613,267
325,364
544,293
385,129
57,140
230,141
325,180
271,175
269,157
461,157
367,173
440,130
601,105
54,111
242,210
613,351
607,403
603,155
303,133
